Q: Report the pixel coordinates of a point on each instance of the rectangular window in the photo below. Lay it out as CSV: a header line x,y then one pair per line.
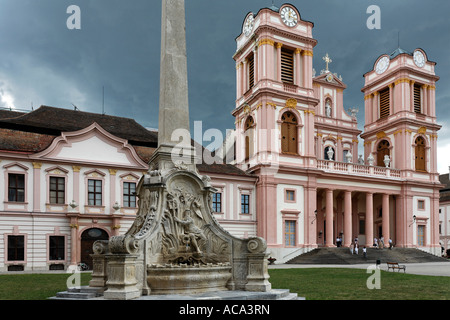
x,y
384,103
245,203
217,202
95,192
417,99
289,233
251,71
290,195
16,187
57,248
287,66
129,194
421,204
16,248
57,190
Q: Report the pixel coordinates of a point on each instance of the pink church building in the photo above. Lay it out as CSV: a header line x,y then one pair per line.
x,y
67,178
294,134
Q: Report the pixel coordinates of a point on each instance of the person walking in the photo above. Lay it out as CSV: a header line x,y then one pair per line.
x,y
390,244
356,248
382,242
375,242
365,252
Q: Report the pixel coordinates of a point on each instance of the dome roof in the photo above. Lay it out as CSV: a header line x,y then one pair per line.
x,y
397,52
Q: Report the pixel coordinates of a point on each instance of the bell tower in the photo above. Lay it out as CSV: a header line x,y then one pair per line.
x,y
275,101
400,114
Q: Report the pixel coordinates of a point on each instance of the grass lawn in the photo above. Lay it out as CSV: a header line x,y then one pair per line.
x,y
313,284
350,284
35,286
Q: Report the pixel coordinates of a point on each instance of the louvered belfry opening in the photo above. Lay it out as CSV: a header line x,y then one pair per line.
x,y
287,66
417,99
384,103
251,71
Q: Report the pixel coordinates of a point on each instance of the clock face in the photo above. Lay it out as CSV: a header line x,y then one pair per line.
x,y
248,25
419,58
382,65
289,16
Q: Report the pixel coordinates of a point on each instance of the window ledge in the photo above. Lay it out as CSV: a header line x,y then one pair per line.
x,y
14,202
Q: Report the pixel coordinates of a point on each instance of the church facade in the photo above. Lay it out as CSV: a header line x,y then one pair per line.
x,y
293,132
69,177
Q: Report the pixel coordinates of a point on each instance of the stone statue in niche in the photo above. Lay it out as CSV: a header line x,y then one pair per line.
x,y
330,153
328,108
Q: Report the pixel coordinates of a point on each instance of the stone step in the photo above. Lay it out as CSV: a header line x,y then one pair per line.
x,y
344,256
75,295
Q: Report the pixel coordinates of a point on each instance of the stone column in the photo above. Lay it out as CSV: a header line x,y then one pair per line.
x,y
278,46
298,67
424,90
375,106
73,239
369,219
347,218
329,218
385,223
36,186
307,57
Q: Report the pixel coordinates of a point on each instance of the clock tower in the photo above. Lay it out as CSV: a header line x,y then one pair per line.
x,y
274,72
400,114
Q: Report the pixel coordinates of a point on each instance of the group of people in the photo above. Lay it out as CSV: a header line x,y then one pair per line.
x,y
379,243
354,248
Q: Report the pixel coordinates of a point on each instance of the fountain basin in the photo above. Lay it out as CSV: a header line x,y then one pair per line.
x,y
184,279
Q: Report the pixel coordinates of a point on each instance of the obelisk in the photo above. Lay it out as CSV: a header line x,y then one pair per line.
x,y
173,128
173,100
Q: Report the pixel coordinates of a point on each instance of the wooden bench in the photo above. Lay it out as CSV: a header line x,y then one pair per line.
x,y
395,265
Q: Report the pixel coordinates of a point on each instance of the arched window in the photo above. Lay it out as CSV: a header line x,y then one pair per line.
x,y
420,154
382,150
248,128
289,133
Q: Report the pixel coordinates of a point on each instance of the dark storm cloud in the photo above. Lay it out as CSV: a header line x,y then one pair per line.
x,y
118,48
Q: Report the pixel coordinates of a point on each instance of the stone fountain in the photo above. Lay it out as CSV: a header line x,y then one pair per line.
x,y
175,245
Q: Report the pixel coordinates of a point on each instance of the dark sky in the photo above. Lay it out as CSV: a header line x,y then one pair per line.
x,y
118,48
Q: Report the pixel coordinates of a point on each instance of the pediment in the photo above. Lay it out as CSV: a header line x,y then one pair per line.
x,y
92,145
330,79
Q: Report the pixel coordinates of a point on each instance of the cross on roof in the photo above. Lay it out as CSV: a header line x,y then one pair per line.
x,y
327,59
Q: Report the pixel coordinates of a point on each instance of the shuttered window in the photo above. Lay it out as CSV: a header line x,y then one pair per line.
x,y
251,71
287,66
289,133
417,99
384,103
420,154
382,150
